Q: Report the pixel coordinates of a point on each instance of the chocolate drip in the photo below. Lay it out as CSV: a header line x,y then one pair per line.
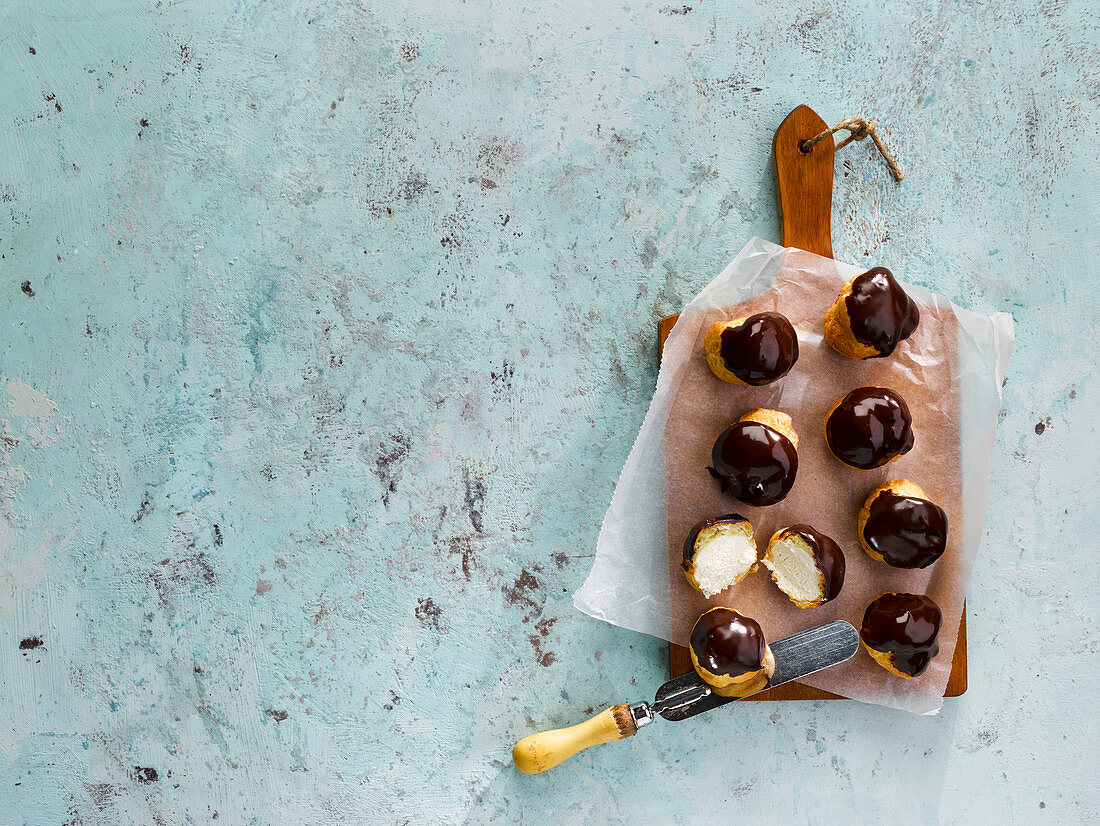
x,y
727,643
881,314
756,463
905,625
830,559
870,426
905,531
693,535
762,349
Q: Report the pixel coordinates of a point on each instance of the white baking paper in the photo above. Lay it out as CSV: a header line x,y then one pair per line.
x,y
635,571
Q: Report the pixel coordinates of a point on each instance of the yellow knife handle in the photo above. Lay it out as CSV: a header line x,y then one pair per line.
x,y
546,749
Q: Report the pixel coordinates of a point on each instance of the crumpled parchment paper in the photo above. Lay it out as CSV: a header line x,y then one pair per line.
x,y
949,372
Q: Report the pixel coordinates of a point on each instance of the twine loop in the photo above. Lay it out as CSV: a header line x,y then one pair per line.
x,y
858,128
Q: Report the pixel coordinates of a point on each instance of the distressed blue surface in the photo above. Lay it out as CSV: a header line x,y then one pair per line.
x,y
325,330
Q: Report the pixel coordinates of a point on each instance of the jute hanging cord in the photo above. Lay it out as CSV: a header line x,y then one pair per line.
x,y
858,129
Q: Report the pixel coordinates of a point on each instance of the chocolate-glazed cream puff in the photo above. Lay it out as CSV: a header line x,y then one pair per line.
x,y
756,350
871,316
730,654
869,427
898,525
756,458
718,553
806,565
899,632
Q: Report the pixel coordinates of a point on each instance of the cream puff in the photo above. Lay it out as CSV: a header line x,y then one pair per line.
x,y
730,654
756,458
806,565
899,632
871,316
757,349
898,525
718,553
869,427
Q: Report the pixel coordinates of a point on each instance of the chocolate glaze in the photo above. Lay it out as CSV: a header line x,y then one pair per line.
x,y
906,531
762,349
830,559
906,625
727,643
689,543
754,462
882,315
869,427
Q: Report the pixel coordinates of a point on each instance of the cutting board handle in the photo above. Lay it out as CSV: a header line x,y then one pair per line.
x,y
804,182
546,749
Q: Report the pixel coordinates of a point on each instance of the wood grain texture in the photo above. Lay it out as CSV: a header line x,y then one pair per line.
x,y
804,182
544,750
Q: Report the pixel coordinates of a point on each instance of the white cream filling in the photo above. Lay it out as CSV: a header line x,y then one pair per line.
x,y
794,569
722,559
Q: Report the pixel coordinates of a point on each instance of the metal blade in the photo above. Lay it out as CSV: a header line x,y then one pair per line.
x,y
795,656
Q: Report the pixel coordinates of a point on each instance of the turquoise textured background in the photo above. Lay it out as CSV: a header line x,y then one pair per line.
x,y
325,329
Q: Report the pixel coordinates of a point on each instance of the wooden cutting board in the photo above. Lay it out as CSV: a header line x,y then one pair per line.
x,y
804,182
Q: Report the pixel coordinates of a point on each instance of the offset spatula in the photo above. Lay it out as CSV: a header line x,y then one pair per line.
x,y
795,656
